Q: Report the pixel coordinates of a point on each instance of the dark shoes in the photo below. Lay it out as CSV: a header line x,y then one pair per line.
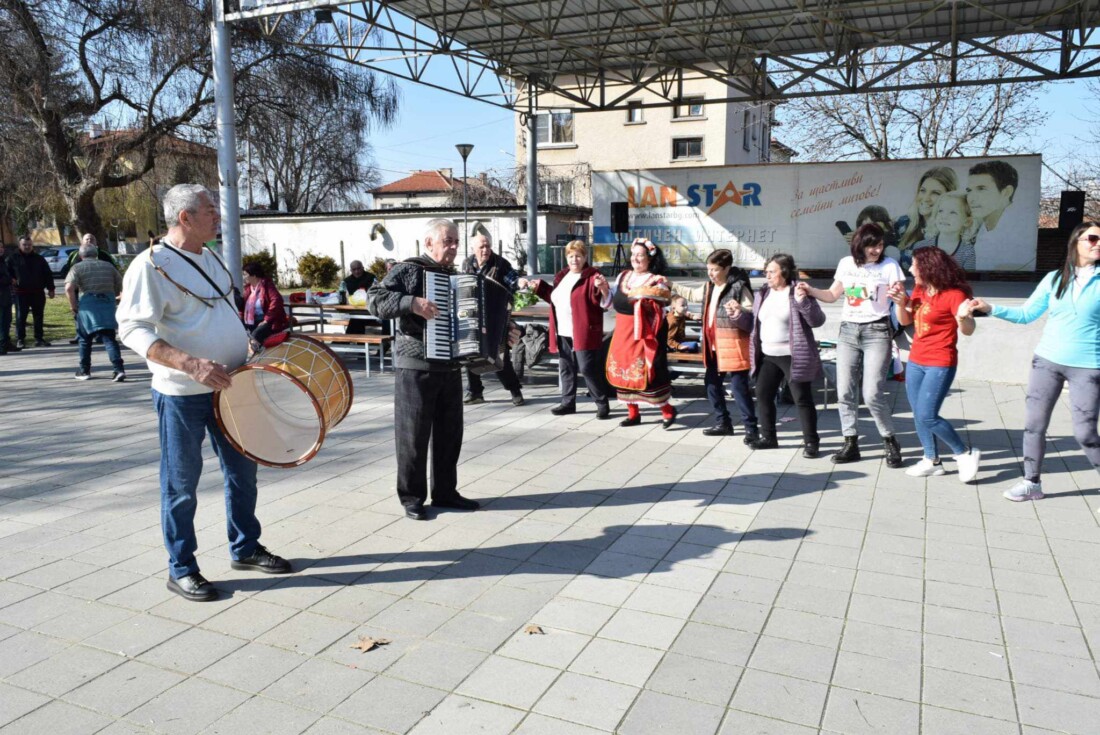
x,y
82,375
470,399
668,421
719,430
20,344
264,561
893,451
751,437
42,343
193,587
517,399
849,452
415,512
811,450
603,412
456,502
564,409
765,442
631,421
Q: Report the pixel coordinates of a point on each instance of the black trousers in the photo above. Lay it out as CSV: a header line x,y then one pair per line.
x,y
586,362
768,379
33,304
5,318
427,413
507,376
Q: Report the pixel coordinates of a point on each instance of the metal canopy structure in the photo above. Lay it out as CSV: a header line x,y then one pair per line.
x,y
598,54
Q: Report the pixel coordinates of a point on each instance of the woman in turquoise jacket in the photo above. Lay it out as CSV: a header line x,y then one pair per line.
x,y
1068,352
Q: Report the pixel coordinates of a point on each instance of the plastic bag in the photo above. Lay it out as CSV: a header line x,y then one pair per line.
x,y
328,299
359,298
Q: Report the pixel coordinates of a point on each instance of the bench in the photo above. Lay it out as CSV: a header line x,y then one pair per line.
x,y
350,342
686,362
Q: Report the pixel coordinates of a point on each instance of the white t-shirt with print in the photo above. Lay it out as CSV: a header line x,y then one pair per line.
x,y
866,288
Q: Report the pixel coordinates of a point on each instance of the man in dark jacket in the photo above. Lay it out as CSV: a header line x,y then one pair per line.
x,y
499,274
32,279
427,394
5,308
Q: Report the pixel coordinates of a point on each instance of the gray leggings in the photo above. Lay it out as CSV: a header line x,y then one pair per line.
x,y
1044,386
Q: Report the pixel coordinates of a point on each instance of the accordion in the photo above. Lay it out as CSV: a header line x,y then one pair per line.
x,y
472,320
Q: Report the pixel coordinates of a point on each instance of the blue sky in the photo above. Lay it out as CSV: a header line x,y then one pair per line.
x,y
431,122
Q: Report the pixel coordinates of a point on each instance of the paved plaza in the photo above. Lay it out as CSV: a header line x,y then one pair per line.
x,y
682,584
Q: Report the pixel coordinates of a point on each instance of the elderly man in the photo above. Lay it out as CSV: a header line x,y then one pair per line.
x,y
176,312
31,280
92,285
427,394
499,273
358,278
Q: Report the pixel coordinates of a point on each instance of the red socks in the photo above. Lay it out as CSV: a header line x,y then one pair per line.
x,y
668,411
632,411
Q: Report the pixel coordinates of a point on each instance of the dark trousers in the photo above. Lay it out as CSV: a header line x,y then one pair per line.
x,y
507,375
109,343
742,394
588,364
427,410
33,304
768,379
5,318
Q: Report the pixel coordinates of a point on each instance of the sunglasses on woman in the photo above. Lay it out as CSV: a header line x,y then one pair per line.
x,y
1093,239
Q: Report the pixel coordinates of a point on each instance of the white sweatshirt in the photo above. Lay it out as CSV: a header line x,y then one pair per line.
x,y
152,308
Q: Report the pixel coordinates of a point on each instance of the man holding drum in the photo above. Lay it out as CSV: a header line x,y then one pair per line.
x,y
427,395
177,313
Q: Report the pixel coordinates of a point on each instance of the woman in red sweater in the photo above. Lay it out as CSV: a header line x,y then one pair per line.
x,y
576,328
940,307
264,313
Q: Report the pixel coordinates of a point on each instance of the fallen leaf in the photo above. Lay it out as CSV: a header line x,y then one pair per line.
x,y
534,630
366,643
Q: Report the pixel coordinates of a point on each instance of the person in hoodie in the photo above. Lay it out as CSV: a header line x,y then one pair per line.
x,y
427,394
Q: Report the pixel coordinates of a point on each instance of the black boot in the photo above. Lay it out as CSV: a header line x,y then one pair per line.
x,y
893,451
849,452
765,442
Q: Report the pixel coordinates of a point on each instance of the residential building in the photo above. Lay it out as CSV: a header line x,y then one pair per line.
x,y
438,189
695,132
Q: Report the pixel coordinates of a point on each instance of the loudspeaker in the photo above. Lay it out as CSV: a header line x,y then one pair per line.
x,y
620,219
1071,210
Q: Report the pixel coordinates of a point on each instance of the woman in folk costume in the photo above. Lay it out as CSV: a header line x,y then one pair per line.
x,y
727,323
637,361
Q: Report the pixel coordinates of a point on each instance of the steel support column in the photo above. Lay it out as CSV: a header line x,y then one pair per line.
x,y
532,184
222,52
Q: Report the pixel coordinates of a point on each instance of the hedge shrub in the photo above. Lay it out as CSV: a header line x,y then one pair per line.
x,y
318,271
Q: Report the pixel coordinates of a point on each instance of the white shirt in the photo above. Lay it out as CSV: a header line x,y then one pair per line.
x,y
563,307
715,297
866,288
152,308
775,323
1011,244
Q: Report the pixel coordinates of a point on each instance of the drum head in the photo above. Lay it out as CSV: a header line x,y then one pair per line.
x,y
270,417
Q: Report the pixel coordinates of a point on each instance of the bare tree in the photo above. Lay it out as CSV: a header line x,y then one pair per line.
x,y
486,190
920,121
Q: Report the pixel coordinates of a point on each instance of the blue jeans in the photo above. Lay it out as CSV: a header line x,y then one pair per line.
x,y
869,344
739,386
109,343
926,388
184,421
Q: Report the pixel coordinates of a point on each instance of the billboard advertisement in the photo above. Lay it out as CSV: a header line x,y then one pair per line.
x,y
983,211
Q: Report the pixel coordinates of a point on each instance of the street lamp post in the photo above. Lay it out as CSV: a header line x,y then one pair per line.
x,y
464,151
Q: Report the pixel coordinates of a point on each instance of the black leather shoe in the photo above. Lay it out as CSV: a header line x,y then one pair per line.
x,y
563,409
470,399
765,443
457,502
849,452
631,421
517,399
415,512
193,587
751,437
264,561
603,412
668,421
811,450
893,451
719,430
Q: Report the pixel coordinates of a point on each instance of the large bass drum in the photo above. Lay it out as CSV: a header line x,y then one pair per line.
x,y
284,401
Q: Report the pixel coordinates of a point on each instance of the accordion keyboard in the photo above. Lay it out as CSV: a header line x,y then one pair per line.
x,y
437,334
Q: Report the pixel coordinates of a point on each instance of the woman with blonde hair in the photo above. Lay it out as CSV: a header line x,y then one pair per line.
x,y
576,328
910,227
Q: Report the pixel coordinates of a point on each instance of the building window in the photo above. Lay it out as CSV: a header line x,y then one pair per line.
x,y
634,113
746,124
688,107
687,148
554,127
556,191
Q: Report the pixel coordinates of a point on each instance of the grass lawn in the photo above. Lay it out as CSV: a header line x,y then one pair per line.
x,y
59,325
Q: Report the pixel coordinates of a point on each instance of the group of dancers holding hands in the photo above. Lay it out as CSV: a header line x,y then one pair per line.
x,y
767,336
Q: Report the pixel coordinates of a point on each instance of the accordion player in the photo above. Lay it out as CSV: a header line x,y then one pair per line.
x,y
472,322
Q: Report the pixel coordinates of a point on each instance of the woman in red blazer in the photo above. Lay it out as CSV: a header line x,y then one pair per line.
x,y
577,300
264,313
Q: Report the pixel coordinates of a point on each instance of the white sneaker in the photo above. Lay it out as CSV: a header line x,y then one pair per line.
x,y
925,468
1025,490
968,465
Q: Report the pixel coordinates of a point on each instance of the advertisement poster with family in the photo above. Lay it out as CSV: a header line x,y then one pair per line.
x,y
984,212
